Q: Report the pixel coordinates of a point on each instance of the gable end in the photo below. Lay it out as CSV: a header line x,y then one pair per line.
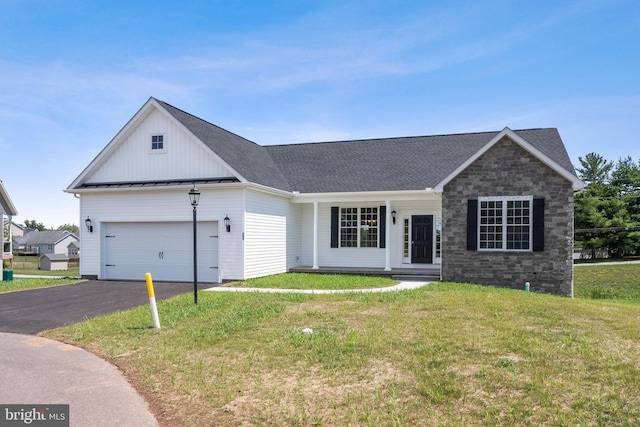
x,y
511,135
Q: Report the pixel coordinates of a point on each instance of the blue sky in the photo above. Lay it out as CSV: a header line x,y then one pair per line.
x,y
72,73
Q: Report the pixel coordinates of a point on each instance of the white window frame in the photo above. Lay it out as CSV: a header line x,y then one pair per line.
x,y
164,143
437,240
360,218
505,225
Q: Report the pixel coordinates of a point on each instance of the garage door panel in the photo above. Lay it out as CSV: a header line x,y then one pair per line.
x,y
163,249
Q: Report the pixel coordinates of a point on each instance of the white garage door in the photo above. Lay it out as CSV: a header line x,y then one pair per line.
x,y
164,249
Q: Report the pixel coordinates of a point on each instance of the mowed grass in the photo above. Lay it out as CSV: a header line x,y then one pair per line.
x,y
446,354
616,281
20,283
315,281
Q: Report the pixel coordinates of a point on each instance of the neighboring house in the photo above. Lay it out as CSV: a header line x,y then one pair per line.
x,y
18,230
73,250
45,242
491,207
7,210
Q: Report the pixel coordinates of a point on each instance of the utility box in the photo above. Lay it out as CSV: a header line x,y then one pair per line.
x,y
7,275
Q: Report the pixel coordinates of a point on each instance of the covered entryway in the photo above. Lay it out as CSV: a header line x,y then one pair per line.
x,y
164,249
422,239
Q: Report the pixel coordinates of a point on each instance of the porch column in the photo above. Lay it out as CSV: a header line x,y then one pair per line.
x,y
315,236
387,248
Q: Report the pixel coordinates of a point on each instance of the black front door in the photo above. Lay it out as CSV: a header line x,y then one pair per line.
x,y
422,239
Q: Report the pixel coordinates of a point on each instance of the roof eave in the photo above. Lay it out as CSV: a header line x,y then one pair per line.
x,y
6,203
365,196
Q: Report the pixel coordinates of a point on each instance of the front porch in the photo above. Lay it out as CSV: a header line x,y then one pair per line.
x,y
426,273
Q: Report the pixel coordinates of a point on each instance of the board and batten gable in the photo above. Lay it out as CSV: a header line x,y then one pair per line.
x,y
163,205
507,170
132,159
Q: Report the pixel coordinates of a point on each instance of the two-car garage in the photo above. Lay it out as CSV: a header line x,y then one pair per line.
x,y
164,249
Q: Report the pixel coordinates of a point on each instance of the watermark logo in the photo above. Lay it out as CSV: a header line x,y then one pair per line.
x,y
34,415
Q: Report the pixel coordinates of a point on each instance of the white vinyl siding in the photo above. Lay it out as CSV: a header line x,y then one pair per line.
x,y
133,159
266,233
265,245
162,205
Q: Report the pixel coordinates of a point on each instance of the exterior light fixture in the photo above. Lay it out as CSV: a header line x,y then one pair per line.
x,y
194,198
87,222
227,223
393,215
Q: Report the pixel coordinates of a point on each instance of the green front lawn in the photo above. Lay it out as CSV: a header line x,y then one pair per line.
x,y
315,281
18,284
446,354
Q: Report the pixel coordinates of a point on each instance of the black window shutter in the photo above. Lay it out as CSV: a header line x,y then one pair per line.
x,y
383,226
538,225
472,225
335,225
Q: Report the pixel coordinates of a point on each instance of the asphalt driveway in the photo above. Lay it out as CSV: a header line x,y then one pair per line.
x,y
36,310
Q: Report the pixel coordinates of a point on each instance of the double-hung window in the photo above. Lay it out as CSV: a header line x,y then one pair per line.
x,y
505,224
359,227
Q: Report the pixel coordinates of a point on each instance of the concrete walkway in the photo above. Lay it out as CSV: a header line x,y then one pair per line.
x,y
586,264
41,371
402,286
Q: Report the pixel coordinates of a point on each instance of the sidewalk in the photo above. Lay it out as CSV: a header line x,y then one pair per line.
x,y
586,264
399,287
41,371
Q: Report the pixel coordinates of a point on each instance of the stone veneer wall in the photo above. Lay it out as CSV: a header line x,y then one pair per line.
x,y
506,169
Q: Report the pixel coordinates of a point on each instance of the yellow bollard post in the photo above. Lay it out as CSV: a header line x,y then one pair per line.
x,y
152,301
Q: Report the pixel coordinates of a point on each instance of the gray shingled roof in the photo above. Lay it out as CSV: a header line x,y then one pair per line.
x,y
249,159
47,237
392,164
388,164
56,257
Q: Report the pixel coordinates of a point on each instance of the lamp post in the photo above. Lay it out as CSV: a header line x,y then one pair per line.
x,y
194,197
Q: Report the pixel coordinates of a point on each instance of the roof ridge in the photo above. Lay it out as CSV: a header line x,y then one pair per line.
x,y
342,141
